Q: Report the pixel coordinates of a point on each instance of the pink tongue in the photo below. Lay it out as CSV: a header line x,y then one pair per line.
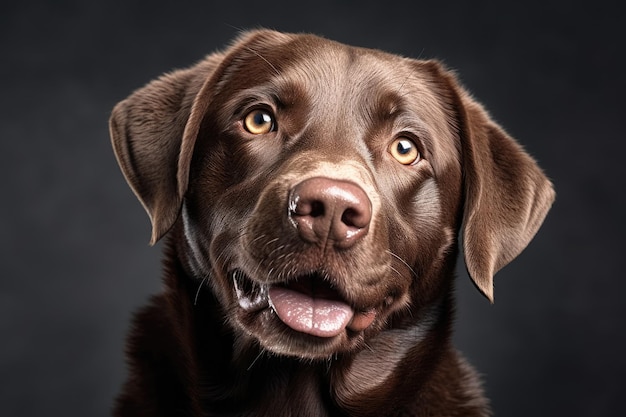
x,y
314,316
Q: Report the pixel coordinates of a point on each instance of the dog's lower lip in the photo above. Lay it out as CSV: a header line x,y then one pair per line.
x,y
362,320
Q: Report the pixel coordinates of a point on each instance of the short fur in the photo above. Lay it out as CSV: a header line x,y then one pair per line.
x,y
230,204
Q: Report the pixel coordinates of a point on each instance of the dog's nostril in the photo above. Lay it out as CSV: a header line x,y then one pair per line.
x,y
317,209
323,209
304,206
355,218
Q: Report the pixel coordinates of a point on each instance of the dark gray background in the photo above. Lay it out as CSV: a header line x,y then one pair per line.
x,y
73,239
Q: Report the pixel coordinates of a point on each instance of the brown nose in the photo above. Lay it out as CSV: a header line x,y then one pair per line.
x,y
324,209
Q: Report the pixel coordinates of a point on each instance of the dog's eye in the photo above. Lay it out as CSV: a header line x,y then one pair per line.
x,y
259,122
404,151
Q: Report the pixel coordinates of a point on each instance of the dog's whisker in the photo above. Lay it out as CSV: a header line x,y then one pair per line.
x,y
403,261
195,300
256,359
223,254
277,249
256,239
269,242
263,58
395,270
237,28
401,92
329,362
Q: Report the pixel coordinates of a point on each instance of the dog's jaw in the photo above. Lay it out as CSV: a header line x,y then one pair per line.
x,y
305,308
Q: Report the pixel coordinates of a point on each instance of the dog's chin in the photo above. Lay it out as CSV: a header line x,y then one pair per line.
x,y
304,317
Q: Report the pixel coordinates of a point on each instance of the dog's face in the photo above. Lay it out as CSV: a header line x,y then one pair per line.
x,y
315,191
320,188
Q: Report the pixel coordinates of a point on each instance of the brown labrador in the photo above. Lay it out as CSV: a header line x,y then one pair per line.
x,y
312,195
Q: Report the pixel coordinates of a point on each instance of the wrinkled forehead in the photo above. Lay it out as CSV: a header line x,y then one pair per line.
x,y
345,86
329,72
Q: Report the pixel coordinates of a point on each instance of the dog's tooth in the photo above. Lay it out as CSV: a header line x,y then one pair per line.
x,y
250,295
237,284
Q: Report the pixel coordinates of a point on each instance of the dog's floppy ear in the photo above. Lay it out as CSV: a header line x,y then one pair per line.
x,y
146,132
154,131
507,196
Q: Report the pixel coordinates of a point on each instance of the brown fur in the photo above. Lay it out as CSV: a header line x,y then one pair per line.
x,y
224,199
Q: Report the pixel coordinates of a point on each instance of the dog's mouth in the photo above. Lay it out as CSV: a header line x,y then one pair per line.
x,y
307,304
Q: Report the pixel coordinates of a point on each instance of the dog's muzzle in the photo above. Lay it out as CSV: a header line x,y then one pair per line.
x,y
332,215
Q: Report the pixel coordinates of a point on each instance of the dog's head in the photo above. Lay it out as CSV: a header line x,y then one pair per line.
x,y
321,188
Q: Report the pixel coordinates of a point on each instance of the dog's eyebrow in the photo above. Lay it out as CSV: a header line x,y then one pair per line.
x,y
281,92
383,107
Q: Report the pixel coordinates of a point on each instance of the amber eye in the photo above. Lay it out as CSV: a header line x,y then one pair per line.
x,y
259,122
404,151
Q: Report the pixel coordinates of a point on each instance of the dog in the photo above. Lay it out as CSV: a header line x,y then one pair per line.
x,y
314,198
